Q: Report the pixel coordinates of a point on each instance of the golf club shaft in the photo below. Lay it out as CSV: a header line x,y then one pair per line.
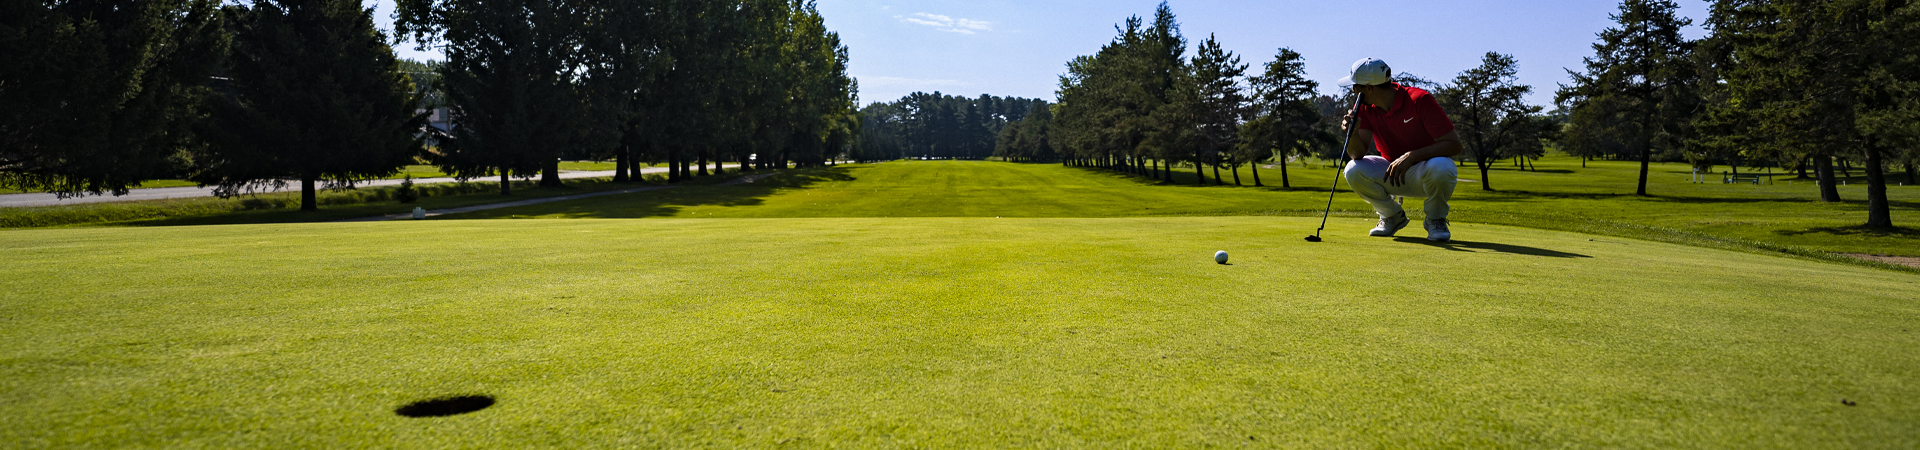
x,y
1343,163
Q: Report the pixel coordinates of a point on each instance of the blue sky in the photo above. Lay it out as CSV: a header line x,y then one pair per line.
x,y
1019,48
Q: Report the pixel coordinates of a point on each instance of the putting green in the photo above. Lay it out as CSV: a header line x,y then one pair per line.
x,y
940,332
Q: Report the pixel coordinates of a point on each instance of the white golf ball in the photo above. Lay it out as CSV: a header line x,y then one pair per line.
x,y
1220,257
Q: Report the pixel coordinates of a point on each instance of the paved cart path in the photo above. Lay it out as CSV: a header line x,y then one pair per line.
x,y
15,200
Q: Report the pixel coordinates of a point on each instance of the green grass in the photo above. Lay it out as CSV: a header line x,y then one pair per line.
x,y
1562,196
885,306
939,333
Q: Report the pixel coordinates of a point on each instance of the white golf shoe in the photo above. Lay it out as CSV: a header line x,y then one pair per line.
x,y
1390,225
1437,230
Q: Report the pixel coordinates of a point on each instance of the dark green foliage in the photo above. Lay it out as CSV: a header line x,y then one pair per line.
x,y
1110,103
1819,80
1285,115
97,96
939,126
315,94
1490,114
406,193
1026,139
510,77
1639,91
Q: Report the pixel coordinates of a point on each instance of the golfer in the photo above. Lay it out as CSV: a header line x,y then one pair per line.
x,y
1413,143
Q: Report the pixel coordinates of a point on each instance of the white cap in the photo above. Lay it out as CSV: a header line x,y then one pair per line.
x,y
1367,72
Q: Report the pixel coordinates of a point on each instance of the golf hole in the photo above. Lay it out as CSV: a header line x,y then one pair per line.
x,y
448,406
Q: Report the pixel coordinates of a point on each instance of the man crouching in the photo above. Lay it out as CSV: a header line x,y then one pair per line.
x,y
1414,140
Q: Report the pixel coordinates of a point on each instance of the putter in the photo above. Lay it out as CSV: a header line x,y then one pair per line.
x,y
1342,167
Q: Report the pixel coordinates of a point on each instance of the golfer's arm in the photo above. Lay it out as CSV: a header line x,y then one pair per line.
x,y
1357,146
1447,145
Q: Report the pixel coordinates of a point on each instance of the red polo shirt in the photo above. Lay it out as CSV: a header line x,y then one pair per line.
x,y
1415,121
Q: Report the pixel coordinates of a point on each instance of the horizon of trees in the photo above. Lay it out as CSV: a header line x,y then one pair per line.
x,y
939,126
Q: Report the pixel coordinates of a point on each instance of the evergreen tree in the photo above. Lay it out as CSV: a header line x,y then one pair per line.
x,y
1638,87
1824,78
97,96
1221,105
512,77
316,95
1285,115
1490,113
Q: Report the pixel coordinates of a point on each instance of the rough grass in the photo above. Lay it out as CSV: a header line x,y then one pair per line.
x,y
939,333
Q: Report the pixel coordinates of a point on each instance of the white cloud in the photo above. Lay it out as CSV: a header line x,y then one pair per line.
x,y
947,23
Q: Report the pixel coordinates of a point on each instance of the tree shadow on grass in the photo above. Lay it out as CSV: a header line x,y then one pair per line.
x,y
1477,247
1856,230
668,202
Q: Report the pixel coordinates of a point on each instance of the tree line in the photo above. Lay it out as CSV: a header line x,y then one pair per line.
x,y
939,126
1795,84
1140,105
101,95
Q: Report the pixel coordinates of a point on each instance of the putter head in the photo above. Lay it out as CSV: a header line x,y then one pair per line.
x,y
1313,238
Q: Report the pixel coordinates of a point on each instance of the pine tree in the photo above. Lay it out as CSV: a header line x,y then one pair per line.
x,y
1490,113
316,95
1826,78
1638,87
1285,115
512,77
97,96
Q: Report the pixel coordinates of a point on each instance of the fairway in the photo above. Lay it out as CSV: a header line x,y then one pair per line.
x,y
1562,195
940,333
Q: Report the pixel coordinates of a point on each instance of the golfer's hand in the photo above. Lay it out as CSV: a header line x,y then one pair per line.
x,y
1397,172
1345,121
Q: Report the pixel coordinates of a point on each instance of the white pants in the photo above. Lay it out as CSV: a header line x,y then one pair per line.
x,y
1432,180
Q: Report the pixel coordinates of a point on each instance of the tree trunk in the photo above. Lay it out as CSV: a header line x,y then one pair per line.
x,y
1486,183
1646,159
1823,169
673,167
1199,170
308,198
1802,167
633,167
1256,175
1878,214
1910,178
620,165
506,182
1285,182
703,164
550,175
1236,175
1216,174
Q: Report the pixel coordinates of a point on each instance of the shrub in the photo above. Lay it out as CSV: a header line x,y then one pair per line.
x,y
406,193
